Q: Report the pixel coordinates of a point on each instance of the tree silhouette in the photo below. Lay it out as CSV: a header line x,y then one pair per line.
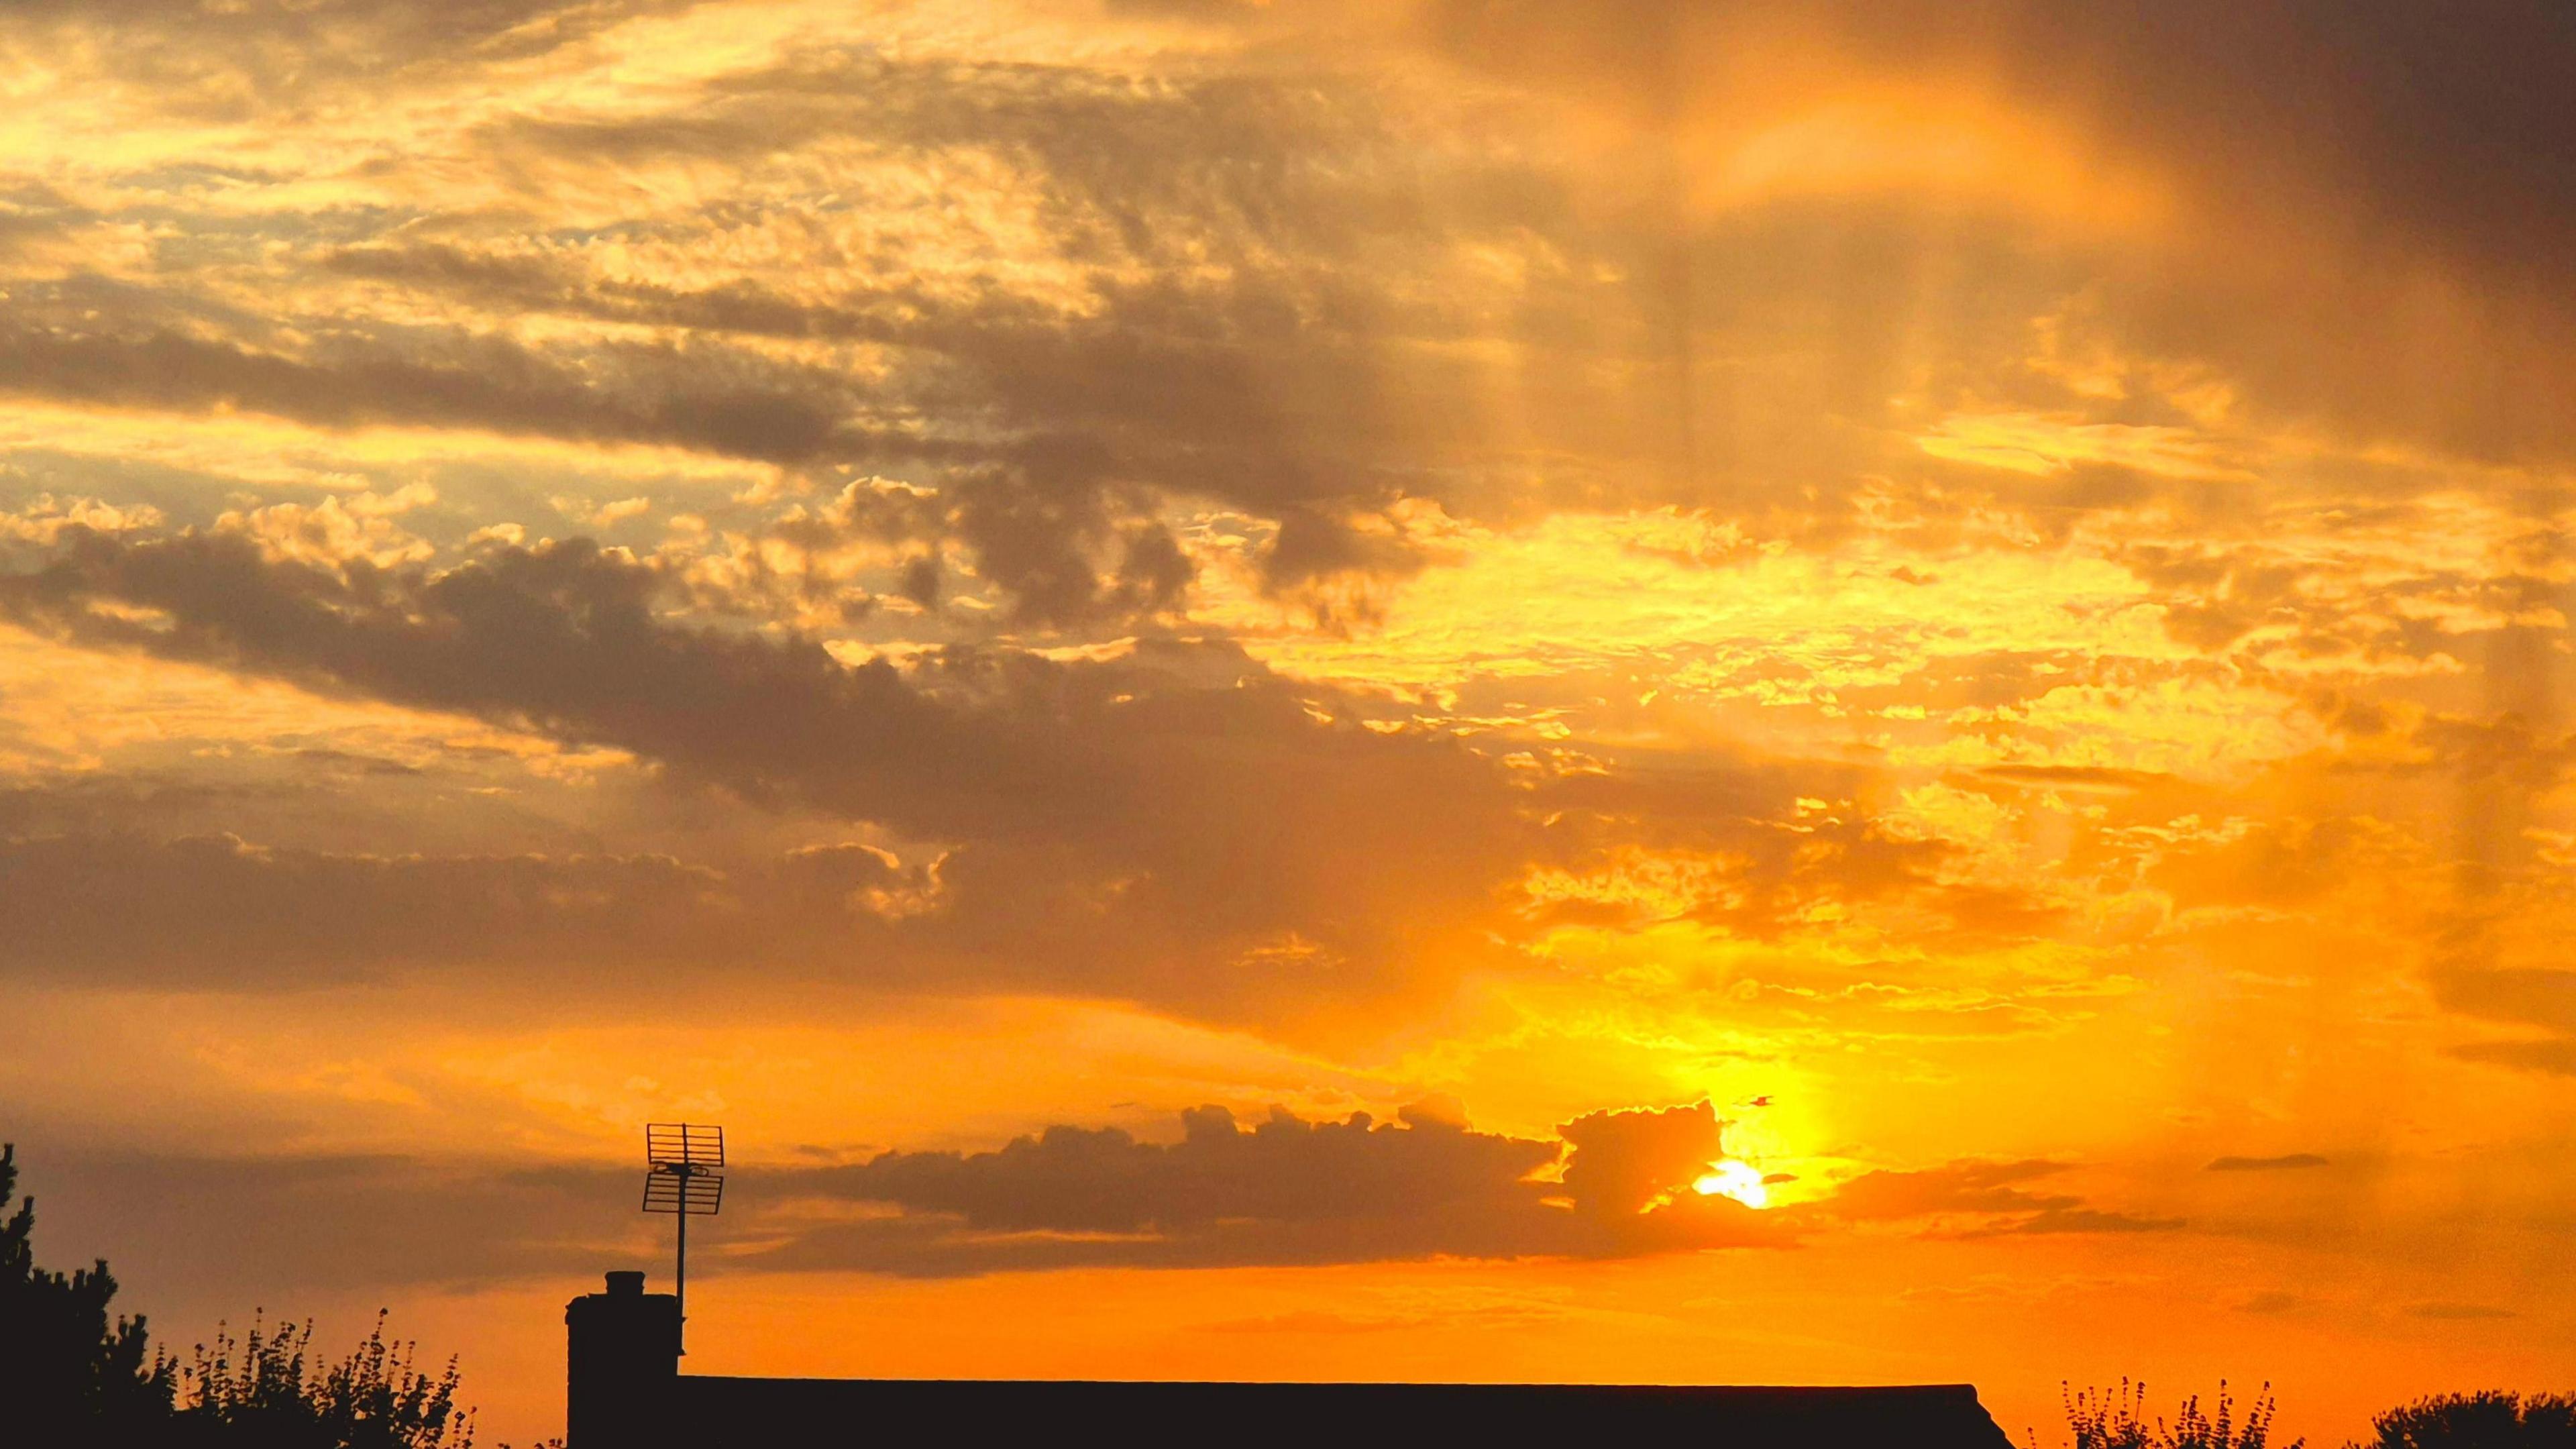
x,y
2479,1421
69,1375
64,1365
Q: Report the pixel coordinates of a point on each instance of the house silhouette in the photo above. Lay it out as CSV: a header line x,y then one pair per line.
x,y
625,1391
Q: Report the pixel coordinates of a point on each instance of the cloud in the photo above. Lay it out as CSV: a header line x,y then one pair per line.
x,y
1233,316
1958,1187
1279,1190
2530,995
2081,1220
1284,285
2289,1162
200,912
1152,815
2458,1312
490,385
1286,1190
1048,436
1992,1191
191,1222
2220,176
2556,1056
1282,1190
2542,997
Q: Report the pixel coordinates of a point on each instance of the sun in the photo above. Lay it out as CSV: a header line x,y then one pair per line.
x,y
1734,1179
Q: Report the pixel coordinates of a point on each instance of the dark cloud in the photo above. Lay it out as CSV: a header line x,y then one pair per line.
x,y
1621,1163
483,383
1269,316
2458,1312
2288,1162
2554,1055
217,912
2520,996
2374,197
1269,312
2453,125
190,1223
1958,1187
1048,436
1170,811
1287,1190
1768,872
1991,1191
1283,1190
2080,1220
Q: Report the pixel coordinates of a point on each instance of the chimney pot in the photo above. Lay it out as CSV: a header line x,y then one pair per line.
x,y
626,1285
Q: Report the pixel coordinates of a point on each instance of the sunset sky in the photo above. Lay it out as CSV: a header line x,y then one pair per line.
x,y
1242,683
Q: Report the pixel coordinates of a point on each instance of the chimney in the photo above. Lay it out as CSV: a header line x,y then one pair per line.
x,y
622,1364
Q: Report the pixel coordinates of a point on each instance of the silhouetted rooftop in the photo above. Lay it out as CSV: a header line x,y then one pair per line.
x,y
712,1410
626,1393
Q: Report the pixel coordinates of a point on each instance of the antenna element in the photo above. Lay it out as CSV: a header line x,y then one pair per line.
x,y
683,1176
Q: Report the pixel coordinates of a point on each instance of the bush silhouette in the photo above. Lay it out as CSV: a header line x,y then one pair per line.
x,y
69,1375
262,1389
2479,1421
2102,1419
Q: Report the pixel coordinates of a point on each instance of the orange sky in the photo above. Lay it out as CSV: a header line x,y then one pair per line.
x,y
1961,605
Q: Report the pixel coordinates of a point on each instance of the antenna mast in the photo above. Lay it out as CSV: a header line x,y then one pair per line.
x,y
683,1176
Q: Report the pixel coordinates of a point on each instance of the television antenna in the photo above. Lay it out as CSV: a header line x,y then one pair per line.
x,y
683,1176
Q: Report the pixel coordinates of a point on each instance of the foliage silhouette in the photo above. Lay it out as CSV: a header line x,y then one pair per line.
x,y
2104,1419
261,1390
62,1361
2479,1421
71,1375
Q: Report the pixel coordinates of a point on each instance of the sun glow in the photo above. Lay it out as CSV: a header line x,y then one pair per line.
x,y
1734,1179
